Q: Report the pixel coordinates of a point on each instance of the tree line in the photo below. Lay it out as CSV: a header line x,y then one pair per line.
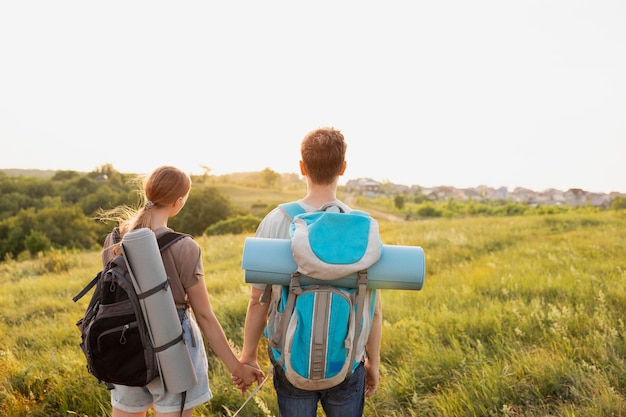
x,y
40,214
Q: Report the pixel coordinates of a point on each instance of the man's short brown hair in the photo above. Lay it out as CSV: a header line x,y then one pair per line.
x,y
323,154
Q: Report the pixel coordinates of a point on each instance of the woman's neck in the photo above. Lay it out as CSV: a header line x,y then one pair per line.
x,y
160,216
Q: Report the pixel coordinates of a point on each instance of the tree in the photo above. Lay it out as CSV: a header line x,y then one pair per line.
x,y
270,177
206,174
205,206
110,175
11,203
618,203
36,242
72,190
235,225
399,201
67,227
62,227
103,198
65,175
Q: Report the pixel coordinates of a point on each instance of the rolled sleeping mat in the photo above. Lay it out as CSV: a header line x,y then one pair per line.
x,y
144,258
270,261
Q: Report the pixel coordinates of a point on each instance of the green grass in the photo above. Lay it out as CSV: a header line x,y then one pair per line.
x,y
519,316
257,200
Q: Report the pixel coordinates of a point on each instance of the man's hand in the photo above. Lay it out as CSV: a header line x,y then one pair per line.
x,y
241,384
371,378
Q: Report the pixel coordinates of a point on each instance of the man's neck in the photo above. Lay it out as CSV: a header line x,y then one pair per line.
x,y
318,195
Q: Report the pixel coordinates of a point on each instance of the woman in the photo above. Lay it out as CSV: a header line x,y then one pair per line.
x,y
165,192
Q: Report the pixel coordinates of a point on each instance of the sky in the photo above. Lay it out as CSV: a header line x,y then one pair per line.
x,y
462,93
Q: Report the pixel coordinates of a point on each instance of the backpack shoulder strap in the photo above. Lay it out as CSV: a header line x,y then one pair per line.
x,y
88,287
164,241
360,302
292,209
115,234
168,238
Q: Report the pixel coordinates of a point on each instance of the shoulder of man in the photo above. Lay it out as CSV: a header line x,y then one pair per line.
x,y
274,225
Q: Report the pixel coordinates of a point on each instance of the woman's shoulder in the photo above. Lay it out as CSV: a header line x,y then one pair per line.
x,y
185,242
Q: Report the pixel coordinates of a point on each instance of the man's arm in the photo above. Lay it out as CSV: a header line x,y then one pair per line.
x,y
256,319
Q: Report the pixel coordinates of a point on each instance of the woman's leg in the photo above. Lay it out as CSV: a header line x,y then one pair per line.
x,y
186,413
119,413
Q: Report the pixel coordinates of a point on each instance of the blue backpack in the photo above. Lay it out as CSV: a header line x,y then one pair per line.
x,y
317,333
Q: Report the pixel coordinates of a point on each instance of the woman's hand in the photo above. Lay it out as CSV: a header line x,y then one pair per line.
x,y
246,375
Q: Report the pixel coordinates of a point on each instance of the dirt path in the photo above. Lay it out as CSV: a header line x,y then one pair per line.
x,y
351,201
380,214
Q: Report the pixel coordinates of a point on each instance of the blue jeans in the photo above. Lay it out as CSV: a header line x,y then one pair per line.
x,y
344,400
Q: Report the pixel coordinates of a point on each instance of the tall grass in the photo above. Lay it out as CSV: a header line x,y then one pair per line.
x,y
519,316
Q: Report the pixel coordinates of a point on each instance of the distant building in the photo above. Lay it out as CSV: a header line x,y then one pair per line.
x,y
574,197
364,186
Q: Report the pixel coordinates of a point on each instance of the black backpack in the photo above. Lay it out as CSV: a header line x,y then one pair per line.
x,y
115,338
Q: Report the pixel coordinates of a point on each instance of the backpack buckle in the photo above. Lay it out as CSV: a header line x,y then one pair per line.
x,y
362,280
294,285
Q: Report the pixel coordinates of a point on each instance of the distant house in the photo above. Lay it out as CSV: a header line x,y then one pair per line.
x,y
599,200
523,195
498,193
445,192
364,186
401,188
472,194
575,197
551,197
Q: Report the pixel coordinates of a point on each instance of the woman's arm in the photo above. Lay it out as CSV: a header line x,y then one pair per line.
x,y
215,336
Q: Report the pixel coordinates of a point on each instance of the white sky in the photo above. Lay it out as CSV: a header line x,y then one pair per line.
x,y
525,93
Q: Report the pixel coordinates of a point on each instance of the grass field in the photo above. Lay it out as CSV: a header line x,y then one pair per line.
x,y
519,316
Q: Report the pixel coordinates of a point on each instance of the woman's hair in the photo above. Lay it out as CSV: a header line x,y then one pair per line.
x,y
163,186
323,154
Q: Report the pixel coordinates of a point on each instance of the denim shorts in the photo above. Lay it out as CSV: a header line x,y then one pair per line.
x,y
139,399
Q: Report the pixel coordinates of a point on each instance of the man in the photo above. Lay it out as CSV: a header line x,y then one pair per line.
x,y
323,154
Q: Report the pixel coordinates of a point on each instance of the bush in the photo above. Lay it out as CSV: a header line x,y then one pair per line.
x,y
618,203
235,225
428,210
37,241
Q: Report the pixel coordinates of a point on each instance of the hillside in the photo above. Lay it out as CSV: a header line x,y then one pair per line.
x,y
519,316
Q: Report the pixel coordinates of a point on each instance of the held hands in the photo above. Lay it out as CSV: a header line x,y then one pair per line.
x,y
246,374
251,372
